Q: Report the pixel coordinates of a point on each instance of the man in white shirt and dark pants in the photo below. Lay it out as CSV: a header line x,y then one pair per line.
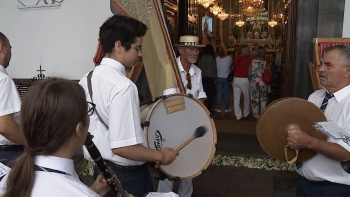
x,y
191,77
11,139
323,175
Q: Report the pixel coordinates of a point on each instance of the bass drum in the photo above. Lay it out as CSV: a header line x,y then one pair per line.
x,y
171,121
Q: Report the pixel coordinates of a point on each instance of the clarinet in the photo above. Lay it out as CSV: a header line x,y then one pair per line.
x,y
106,171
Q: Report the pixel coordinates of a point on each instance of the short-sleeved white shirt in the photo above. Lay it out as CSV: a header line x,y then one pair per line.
x,y
320,168
10,102
55,184
117,103
196,81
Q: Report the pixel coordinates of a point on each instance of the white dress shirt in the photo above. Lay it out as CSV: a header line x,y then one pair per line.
x,y
55,184
320,167
117,103
196,81
10,102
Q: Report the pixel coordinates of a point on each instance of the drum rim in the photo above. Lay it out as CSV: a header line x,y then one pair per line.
x,y
214,133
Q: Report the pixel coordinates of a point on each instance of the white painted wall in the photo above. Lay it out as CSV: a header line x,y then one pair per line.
x,y
346,24
62,40
65,38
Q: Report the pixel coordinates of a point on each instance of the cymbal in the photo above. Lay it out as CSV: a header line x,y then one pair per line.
x,y
272,127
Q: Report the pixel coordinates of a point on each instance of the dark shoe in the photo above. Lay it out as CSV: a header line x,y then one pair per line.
x,y
244,118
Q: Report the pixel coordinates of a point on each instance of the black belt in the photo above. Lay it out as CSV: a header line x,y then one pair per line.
x,y
120,168
11,148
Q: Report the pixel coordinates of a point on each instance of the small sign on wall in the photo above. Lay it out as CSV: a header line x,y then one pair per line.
x,y
25,5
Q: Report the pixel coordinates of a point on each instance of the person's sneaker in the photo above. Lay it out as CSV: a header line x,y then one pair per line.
x,y
227,110
217,110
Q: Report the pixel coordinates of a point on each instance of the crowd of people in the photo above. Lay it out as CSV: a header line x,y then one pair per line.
x,y
247,81
40,133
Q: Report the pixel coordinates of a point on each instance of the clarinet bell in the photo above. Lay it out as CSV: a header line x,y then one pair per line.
x,y
346,166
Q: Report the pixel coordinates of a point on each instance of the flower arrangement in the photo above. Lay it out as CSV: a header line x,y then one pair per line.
x,y
252,162
87,167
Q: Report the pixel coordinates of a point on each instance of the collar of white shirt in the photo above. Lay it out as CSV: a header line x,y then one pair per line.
x,y
113,63
56,163
181,69
340,94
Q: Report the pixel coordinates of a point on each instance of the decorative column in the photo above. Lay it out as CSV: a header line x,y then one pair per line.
x,y
230,15
221,33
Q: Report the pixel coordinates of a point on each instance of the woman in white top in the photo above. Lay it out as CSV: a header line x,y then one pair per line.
x,y
54,121
223,62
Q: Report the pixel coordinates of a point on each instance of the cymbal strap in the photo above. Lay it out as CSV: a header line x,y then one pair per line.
x,y
286,155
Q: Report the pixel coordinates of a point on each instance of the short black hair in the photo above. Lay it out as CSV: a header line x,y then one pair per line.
x,y
3,38
120,28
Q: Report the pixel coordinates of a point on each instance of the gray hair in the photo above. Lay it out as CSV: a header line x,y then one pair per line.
x,y
243,47
260,51
344,59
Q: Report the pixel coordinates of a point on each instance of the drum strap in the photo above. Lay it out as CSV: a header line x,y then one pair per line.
x,y
90,93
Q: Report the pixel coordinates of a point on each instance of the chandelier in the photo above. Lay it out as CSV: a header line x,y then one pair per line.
x,y
240,23
222,16
206,3
272,23
251,11
251,3
215,9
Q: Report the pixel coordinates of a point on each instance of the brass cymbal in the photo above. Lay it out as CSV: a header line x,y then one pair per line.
x,y
272,127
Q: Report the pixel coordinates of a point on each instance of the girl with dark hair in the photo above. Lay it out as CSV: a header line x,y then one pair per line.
x,y
54,122
207,63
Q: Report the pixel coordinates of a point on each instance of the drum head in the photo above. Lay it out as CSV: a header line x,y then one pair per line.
x,y
172,122
272,126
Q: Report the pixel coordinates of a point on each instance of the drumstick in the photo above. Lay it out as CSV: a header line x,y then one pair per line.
x,y
200,131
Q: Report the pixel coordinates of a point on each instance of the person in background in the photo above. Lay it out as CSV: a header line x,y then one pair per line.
x,y
207,64
11,139
240,84
258,89
323,175
191,77
117,125
54,122
223,62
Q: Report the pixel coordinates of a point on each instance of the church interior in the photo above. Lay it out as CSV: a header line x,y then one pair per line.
x,y
285,28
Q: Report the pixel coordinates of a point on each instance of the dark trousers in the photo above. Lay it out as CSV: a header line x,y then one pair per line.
x,y
8,157
308,188
137,183
208,86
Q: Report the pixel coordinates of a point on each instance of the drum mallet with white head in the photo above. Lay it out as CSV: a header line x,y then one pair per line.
x,y
200,131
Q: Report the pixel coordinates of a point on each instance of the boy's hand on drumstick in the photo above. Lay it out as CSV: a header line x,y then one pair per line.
x,y
168,155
